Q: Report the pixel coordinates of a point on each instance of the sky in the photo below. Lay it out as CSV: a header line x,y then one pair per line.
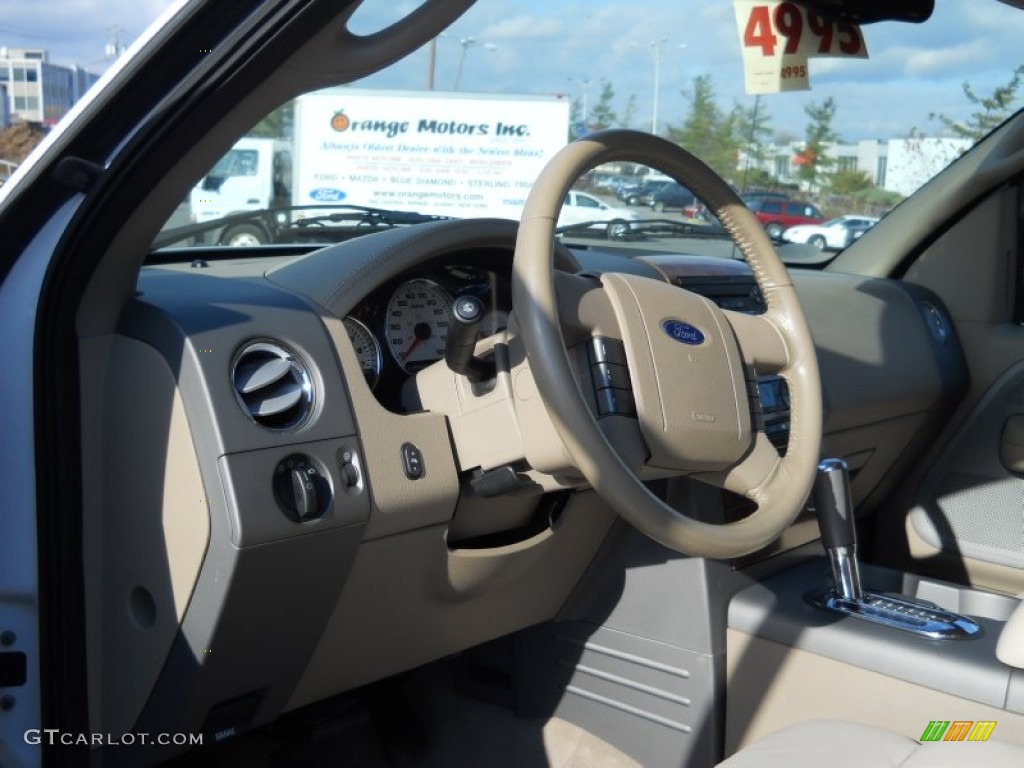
x,y
912,70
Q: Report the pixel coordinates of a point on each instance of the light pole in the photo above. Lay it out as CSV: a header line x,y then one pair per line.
x,y
584,85
467,43
657,47
431,63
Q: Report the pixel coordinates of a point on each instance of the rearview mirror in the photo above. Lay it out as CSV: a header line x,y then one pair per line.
x,y
869,11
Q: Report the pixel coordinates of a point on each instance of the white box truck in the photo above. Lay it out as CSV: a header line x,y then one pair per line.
x,y
433,153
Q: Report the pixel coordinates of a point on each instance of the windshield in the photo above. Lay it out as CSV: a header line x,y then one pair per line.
x,y
462,127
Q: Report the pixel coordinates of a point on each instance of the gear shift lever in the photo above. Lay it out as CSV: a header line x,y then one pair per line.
x,y
834,506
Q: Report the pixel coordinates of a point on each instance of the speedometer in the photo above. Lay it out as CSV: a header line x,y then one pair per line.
x,y
417,323
367,349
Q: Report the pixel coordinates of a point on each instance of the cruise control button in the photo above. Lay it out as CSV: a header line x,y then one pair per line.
x,y
603,350
610,375
615,401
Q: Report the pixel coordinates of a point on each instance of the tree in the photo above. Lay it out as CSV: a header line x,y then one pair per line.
x,y
849,183
575,111
706,132
18,141
754,131
757,178
991,110
278,124
629,112
602,115
814,165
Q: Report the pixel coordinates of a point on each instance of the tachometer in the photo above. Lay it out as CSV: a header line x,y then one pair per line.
x,y
417,323
367,350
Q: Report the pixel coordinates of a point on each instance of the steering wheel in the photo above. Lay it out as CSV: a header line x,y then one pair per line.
x,y
692,366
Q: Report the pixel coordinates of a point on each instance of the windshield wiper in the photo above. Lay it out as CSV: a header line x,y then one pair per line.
x,y
281,226
644,229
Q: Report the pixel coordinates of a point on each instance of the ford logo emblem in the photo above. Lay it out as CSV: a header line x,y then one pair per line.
x,y
327,195
682,332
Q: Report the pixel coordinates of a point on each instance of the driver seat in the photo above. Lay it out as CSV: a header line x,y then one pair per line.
x,y
842,744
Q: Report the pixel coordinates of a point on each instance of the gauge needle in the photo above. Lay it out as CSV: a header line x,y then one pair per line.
x,y
415,343
422,332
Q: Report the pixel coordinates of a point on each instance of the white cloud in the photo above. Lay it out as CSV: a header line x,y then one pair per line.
x,y
944,60
523,26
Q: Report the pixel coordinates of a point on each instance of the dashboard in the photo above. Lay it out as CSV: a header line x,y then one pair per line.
x,y
348,524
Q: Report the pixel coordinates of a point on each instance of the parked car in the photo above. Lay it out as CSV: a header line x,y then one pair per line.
x,y
639,194
672,196
579,207
836,233
462,492
778,214
610,181
749,197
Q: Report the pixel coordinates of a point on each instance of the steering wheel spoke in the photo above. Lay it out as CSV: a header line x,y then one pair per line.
x,y
584,309
761,343
750,476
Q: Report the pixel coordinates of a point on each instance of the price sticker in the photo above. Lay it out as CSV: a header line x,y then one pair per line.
x,y
777,39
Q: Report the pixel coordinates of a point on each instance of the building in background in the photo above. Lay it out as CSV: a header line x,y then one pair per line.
x,y
37,90
898,165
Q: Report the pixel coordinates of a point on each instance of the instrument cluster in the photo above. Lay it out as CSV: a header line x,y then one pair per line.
x,y
402,327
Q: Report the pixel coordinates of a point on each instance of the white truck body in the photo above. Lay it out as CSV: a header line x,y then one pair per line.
x,y
448,154
252,176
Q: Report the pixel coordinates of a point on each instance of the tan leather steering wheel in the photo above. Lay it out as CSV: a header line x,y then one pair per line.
x,y
692,365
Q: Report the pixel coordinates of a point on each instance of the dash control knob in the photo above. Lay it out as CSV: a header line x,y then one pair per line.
x,y
301,488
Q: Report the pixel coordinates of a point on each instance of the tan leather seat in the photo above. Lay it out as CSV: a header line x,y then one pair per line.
x,y
840,744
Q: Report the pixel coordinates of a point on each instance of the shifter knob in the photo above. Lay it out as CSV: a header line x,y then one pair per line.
x,y
831,496
834,505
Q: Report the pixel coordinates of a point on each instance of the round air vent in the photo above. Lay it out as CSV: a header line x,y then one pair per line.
x,y
272,385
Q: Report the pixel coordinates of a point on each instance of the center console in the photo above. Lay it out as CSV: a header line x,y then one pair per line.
x,y
867,644
789,661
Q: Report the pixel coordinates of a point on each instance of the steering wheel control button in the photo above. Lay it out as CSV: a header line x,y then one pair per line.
x,y
610,375
605,350
615,402
772,413
301,489
412,461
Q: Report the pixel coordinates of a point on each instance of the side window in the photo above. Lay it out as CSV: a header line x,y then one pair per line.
x,y
588,202
770,207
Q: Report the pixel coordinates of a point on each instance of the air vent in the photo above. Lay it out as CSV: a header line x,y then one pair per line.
x,y
739,294
273,387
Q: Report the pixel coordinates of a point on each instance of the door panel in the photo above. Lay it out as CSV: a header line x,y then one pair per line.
x,y
962,514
